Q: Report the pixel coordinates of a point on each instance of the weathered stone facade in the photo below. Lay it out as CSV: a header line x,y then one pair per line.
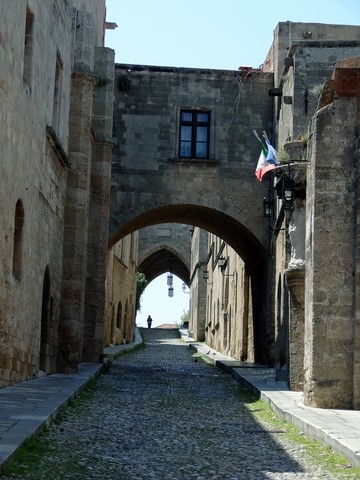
x,y
55,173
303,306
229,326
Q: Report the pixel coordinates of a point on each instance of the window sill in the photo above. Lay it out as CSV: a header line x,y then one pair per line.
x,y
194,161
56,144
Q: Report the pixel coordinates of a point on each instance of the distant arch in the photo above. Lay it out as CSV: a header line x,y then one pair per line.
x,y
163,259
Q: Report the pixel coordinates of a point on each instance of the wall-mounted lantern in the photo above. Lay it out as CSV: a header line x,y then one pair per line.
x,y
268,208
170,280
222,263
287,192
206,277
184,288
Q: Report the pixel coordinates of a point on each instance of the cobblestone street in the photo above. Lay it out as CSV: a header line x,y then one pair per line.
x,y
161,413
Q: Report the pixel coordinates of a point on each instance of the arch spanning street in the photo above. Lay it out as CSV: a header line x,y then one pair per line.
x,y
154,182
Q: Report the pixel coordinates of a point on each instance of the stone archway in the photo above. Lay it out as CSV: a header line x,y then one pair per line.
x,y
235,234
154,181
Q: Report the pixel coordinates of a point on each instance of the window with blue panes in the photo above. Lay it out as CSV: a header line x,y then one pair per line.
x,y
194,134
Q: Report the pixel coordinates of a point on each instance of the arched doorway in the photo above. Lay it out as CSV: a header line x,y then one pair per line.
x,y
44,365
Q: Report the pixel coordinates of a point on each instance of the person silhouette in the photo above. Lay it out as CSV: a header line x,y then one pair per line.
x,y
149,321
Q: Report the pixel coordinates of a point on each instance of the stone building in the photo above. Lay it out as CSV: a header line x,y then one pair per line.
x,y
56,84
315,317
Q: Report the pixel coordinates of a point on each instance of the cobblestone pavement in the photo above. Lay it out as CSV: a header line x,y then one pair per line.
x,y
160,413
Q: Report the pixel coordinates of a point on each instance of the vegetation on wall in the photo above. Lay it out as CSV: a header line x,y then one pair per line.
x,y
124,83
141,284
184,320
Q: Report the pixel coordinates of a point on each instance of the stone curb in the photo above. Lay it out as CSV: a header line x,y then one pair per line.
x,y
337,429
27,407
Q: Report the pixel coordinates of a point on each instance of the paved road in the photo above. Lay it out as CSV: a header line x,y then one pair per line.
x,y
160,414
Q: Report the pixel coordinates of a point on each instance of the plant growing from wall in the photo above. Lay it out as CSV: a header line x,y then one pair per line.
x,y
304,138
141,284
283,156
124,83
102,81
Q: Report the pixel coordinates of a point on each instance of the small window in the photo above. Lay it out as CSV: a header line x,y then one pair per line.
x,y
28,46
194,134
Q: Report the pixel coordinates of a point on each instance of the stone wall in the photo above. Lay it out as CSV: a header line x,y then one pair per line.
x,y
37,88
120,308
229,324
34,170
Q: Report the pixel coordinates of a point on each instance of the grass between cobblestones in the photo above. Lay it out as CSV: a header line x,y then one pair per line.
x,y
319,453
32,451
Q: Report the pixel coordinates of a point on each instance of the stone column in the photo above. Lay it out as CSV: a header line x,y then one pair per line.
x,y
295,279
329,268
102,122
71,327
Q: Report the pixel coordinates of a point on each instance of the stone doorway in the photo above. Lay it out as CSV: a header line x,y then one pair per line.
x,y
45,324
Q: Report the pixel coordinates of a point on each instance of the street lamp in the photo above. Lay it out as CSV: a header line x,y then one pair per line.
x,y
184,288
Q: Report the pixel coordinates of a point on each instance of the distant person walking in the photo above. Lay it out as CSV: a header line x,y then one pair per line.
x,y
149,321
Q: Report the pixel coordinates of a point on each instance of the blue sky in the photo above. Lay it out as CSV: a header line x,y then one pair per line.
x,y
205,34
211,33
